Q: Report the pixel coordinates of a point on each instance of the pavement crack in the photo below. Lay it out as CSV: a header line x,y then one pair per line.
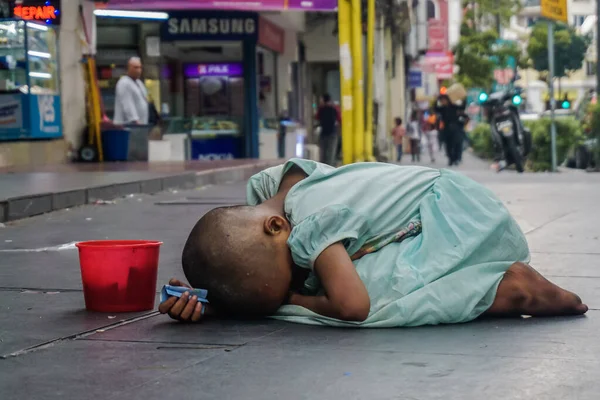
x,y
177,344
41,290
572,276
549,222
567,253
75,336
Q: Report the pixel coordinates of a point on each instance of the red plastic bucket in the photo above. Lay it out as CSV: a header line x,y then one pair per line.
x,y
119,275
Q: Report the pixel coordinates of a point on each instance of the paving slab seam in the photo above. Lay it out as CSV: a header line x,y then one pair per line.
x,y
203,360
316,348
550,221
570,253
75,336
28,206
119,395
572,276
167,344
30,289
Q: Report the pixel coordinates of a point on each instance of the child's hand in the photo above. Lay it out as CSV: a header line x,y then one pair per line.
x,y
184,308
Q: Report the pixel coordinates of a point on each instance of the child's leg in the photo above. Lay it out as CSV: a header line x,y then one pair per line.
x,y
523,291
430,137
414,149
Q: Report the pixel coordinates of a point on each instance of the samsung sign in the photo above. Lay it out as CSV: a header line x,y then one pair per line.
x,y
210,26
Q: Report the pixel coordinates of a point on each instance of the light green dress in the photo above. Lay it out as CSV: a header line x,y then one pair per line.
x,y
430,246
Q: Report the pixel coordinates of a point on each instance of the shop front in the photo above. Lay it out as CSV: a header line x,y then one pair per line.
x,y
229,87
29,84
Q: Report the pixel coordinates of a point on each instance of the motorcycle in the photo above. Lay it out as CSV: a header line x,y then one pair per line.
x,y
512,140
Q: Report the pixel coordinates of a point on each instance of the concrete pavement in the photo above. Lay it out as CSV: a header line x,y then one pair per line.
x,y
25,192
53,348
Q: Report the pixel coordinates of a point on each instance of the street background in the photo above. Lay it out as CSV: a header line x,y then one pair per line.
x,y
53,348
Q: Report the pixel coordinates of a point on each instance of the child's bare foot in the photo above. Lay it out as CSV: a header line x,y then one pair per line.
x,y
523,291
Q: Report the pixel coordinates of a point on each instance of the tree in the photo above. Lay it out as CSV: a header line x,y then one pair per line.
x,y
476,54
569,49
491,12
472,56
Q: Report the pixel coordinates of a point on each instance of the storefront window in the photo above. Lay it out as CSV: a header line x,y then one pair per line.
x,y
42,55
39,56
213,89
267,101
12,56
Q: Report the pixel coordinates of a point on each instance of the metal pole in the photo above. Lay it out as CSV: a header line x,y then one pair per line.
x,y
344,34
356,47
597,47
551,91
370,79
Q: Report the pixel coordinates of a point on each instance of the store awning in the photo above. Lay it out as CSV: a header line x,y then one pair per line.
x,y
246,5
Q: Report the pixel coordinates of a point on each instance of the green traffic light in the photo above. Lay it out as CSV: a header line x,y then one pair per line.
x,y
566,104
483,97
517,100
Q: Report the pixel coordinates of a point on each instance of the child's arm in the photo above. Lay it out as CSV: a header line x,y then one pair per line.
x,y
346,297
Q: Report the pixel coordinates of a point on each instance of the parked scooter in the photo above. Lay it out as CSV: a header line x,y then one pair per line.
x,y
512,141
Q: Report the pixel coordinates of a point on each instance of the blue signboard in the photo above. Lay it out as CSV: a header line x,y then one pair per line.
x,y
504,74
415,79
45,116
223,147
13,111
210,25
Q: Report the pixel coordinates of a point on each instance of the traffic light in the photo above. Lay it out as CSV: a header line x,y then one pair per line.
x,y
517,100
483,96
566,104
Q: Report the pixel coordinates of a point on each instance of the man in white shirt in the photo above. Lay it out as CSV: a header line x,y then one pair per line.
x,y
131,101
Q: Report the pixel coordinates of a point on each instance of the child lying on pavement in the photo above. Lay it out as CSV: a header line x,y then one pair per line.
x,y
368,244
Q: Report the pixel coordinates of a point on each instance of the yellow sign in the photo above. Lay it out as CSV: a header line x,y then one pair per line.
x,y
555,10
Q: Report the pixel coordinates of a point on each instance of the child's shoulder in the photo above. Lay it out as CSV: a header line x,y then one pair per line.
x,y
265,184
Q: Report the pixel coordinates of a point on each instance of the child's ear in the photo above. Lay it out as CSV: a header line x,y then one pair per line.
x,y
275,225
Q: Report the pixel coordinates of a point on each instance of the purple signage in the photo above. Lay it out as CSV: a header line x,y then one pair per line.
x,y
212,69
257,5
312,5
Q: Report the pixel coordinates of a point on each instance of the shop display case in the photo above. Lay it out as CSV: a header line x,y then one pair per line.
x,y
216,138
206,138
29,84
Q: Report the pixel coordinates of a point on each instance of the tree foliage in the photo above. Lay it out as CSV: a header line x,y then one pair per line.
x,y
474,55
569,49
487,12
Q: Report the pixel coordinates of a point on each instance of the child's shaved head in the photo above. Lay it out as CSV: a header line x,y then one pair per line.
x,y
229,254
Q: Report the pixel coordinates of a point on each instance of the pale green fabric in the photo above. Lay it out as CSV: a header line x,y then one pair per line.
x,y
447,274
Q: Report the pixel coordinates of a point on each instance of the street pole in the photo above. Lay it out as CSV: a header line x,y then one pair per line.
x,y
356,49
370,79
344,34
551,91
597,47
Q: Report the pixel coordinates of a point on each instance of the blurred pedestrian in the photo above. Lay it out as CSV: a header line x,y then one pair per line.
x,y
328,119
398,134
414,134
463,137
452,133
430,133
336,104
131,99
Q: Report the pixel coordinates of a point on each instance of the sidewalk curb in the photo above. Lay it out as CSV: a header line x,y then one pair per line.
x,y
28,206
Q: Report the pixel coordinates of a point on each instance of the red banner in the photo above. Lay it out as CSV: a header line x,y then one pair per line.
x,y
440,64
438,35
270,35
